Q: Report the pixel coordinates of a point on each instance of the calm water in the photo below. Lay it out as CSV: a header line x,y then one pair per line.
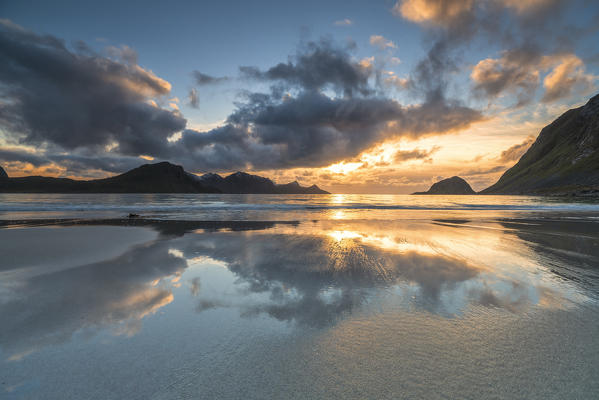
x,y
219,207
328,297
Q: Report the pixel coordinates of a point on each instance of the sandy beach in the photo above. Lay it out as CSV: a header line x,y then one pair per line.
x,y
328,308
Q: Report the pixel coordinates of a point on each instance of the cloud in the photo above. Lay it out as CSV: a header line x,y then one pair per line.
x,y
382,43
450,12
527,6
396,82
298,125
344,22
313,130
454,26
317,65
124,53
483,171
74,99
518,72
568,74
72,164
516,151
515,72
193,98
195,286
321,108
438,12
416,154
202,79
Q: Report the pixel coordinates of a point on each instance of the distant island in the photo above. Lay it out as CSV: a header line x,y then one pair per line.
x,y
162,177
453,185
563,160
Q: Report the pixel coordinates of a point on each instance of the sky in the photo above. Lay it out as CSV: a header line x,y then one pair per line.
x,y
354,96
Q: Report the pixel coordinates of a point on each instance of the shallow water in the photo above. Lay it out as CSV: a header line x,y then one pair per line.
x,y
374,303
219,207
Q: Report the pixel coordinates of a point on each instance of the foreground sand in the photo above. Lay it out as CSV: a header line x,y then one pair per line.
x,y
142,308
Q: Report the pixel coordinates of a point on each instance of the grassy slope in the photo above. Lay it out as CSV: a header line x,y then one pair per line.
x,y
564,158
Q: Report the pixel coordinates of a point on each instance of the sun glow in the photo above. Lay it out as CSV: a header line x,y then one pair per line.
x,y
341,235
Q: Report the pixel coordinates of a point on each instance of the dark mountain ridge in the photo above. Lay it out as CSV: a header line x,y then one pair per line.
x,y
563,160
244,183
162,177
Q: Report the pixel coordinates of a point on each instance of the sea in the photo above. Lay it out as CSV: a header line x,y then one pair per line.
x,y
205,296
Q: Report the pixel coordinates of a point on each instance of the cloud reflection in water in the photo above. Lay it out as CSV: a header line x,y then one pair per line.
x,y
311,274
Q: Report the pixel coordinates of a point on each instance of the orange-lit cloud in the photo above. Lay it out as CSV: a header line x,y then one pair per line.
x,y
516,151
382,43
568,73
432,11
518,72
446,12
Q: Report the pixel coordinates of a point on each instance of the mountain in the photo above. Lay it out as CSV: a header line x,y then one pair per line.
x,y
564,160
294,187
241,182
453,185
162,177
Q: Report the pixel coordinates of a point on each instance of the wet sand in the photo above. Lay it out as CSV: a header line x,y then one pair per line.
x,y
456,307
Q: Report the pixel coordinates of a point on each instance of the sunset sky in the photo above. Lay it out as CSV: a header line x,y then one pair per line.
x,y
354,96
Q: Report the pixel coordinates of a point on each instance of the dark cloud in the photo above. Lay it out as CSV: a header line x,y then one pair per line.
x,y
78,99
81,103
516,151
297,124
22,156
318,65
313,130
202,79
517,72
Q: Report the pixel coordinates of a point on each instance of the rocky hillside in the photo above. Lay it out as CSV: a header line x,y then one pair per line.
x,y
453,185
564,159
